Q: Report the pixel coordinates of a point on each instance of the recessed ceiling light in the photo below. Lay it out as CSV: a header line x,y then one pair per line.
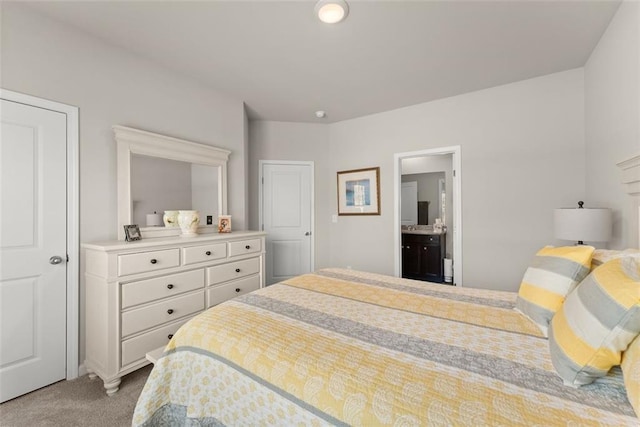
x,y
321,114
332,11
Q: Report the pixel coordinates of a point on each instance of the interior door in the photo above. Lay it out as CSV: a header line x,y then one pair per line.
x,y
286,217
32,248
409,201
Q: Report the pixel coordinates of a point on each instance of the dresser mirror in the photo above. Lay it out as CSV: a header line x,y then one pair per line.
x,y
158,173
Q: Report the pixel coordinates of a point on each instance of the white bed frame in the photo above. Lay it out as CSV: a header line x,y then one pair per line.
x,y
631,181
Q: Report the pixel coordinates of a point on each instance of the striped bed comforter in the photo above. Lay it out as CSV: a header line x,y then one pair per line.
x,y
340,347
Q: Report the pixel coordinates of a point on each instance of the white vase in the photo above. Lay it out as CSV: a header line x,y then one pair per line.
x,y
170,218
189,221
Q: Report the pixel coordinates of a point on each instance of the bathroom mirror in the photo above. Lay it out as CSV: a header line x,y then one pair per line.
x,y
157,173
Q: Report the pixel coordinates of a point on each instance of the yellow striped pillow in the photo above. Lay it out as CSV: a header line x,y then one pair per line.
x,y
553,273
600,256
597,322
631,372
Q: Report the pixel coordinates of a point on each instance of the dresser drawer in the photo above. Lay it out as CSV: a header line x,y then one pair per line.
x,y
194,254
147,317
148,261
134,349
144,291
243,247
222,293
233,270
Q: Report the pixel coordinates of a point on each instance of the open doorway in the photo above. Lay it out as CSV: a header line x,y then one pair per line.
x,y
434,175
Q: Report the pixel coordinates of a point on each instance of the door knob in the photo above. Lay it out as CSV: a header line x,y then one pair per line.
x,y
55,260
308,233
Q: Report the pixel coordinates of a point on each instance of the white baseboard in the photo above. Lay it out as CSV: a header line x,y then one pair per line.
x,y
82,370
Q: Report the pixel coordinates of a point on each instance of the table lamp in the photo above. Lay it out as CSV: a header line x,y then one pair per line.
x,y
583,224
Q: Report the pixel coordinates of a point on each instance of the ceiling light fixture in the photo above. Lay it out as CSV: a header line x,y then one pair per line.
x,y
332,11
321,114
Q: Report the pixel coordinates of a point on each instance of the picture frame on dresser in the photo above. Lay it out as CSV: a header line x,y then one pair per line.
x,y
359,192
224,224
132,233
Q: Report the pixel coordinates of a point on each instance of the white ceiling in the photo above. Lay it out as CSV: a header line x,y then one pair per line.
x,y
285,64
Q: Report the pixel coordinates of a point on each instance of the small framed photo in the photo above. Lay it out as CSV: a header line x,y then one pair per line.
x,y
224,224
132,232
359,192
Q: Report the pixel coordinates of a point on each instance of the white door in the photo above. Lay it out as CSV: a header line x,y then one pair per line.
x,y
409,201
32,230
287,194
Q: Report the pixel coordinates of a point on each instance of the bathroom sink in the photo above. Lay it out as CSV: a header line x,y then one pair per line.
x,y
427,232
419,229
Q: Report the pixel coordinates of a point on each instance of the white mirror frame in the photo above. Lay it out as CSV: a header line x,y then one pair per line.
x,y
134,141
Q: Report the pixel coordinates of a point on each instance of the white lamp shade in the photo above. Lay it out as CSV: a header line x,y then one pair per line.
x,y
583,224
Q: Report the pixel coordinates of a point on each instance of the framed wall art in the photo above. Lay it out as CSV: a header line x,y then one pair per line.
x,y
359,192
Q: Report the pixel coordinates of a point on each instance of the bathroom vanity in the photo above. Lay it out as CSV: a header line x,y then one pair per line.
x,y
423,253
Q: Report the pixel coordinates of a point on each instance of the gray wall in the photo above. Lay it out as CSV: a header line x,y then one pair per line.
x,y
300,142
519,145
43,58
522,156
612,94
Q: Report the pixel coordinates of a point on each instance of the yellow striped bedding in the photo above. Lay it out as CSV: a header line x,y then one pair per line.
x,y
601,256
341,347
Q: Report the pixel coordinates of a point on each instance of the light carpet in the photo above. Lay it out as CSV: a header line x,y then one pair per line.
x,y
80,402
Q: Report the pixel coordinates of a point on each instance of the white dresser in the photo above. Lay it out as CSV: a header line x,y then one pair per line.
x,y
139,293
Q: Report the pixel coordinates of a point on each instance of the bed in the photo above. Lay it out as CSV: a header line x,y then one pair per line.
x,y
342,347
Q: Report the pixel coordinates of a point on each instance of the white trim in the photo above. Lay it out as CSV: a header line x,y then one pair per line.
x,y
73,224
457,205
312,264
631,175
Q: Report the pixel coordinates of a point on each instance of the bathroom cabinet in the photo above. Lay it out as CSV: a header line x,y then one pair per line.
x,y
422,256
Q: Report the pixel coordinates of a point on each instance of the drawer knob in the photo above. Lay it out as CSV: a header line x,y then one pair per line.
x,y
237,289
237,270
169,286
154,261
408,247
208,253
170,311
247,247
170,336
